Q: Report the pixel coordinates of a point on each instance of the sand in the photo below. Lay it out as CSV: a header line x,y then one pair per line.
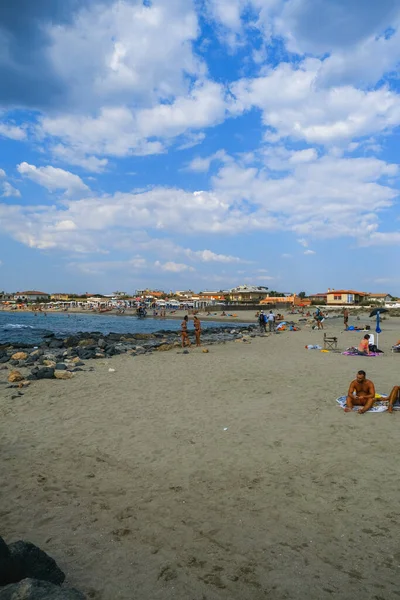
x,y
227,475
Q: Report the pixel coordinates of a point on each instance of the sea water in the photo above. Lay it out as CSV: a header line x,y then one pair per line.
x,y
25,327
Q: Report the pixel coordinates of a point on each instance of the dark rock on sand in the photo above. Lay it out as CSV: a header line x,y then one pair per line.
x,y
23,559
60,367
42,373
56,344
5,562
32,589
71,341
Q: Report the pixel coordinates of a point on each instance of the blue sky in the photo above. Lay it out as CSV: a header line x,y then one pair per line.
x,y
199,144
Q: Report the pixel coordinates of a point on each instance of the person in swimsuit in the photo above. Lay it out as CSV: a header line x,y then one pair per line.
x,y
184,332
394,396
197,330
363,347
361,393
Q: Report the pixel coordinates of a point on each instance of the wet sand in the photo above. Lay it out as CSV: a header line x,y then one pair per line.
x,y
227,475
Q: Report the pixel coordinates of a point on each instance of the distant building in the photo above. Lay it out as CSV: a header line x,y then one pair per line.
x,y
340,297
60,297
318,298
184,294
294,300
247,293
380,297
150,293
31,296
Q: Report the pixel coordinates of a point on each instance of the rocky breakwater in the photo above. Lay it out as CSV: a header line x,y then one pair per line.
x,y
56,358
28,573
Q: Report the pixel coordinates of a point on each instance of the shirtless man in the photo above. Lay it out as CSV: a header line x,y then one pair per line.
x,y
184,333
197,330
361,393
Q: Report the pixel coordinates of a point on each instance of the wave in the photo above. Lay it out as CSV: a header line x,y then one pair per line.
x,y
17,326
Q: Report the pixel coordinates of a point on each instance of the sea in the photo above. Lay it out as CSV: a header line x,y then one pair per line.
x,y
22,327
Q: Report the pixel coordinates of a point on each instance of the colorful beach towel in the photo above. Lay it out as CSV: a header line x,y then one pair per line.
x,y
380,405
356,353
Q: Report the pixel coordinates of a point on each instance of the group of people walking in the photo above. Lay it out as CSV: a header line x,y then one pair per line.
x,y
269,318
185,334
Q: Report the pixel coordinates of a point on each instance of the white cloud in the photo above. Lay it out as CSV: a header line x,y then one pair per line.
x,y
173,267
53,179
208,256
309,252
71,156
202,165
293,105
13,132
127,52
2,173
303,156
9,191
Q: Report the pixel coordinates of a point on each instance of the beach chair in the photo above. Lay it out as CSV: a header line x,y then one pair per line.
x,y
330,342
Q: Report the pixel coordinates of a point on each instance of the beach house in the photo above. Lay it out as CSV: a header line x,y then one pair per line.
x,y
379,297
344,297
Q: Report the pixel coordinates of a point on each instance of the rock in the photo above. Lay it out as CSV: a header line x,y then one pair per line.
x,y
19,356
185,352
15,376
4,359
56,344
14,363
87,342
77,362
5,562
27,560
60,367
101,343
49,363
71,341
36,353
63,374
43,373
205,350
33,589
165,347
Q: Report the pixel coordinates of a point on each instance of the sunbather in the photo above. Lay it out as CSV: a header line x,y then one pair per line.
x,y
393,397
361,393
363,347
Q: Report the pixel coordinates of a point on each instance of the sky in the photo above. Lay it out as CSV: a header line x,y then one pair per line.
x,y
199,144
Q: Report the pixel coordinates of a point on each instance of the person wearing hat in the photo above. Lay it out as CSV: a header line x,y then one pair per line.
x,y
262,321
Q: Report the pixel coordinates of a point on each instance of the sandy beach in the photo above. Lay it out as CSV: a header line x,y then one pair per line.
x,y
231,474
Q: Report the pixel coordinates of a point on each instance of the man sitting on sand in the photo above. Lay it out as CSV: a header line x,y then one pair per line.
x,y
361,393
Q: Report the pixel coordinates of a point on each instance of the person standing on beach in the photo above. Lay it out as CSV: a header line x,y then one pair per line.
x,y
197,330
262,321
361,393
271,322
346,318
184,332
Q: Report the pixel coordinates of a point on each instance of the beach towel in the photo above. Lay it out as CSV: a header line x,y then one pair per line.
x,y
380,405
350,352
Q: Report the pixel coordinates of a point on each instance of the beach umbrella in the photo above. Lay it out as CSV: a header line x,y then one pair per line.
x,y
377,328
375,311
